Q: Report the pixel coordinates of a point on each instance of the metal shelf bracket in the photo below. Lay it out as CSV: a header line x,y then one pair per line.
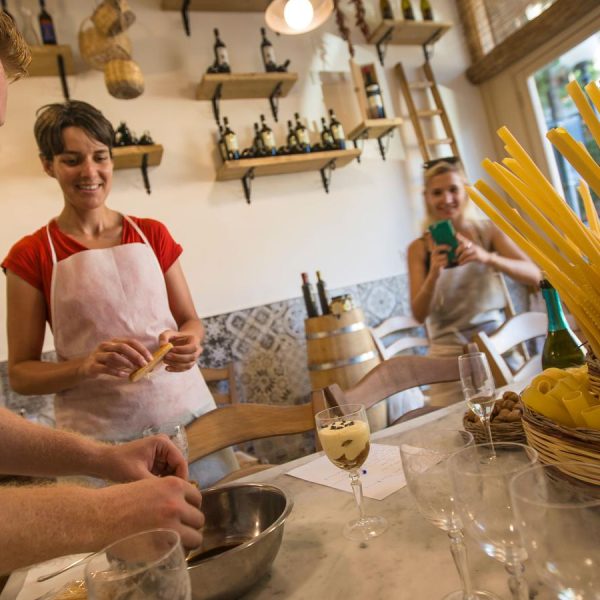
x,y
145,177
382,45
247,183
274,99
384,146
326,174
185,16
60,61
215,102
359,143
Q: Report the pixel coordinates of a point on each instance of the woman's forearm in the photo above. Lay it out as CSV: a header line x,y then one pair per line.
x,y
30,377
194,327
523,271
421,303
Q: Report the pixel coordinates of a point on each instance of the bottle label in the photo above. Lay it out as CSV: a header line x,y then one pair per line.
x,y
48,35
327,138
222,57
268,54
375,104
338,132
302,135
231,143
292,140
268,139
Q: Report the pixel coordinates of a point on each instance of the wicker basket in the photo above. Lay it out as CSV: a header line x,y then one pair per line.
x,y
97,49
593,365
123,78
112,17
501,431
558,444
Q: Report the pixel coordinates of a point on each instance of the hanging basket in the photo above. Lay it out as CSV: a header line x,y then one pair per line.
x,y
112,17
124,79
97,49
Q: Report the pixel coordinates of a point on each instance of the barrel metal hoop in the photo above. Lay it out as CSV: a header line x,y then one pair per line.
x,y
319,335
344,362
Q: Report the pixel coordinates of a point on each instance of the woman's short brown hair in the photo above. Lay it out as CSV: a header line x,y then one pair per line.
x,y
53,118
14,51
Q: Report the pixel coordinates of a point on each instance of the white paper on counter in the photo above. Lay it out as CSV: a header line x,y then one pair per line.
x,y
32,590
381,474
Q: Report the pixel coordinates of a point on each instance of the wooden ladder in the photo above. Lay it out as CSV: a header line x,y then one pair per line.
x,y
433,107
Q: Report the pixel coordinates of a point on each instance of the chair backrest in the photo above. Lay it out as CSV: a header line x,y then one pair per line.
x,y
215,377
395,325
518,329
229,425
392,376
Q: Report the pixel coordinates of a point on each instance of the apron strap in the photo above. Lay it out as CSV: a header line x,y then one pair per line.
x,y
52,250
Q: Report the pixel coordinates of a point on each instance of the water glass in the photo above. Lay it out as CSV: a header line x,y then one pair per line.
x,y
145,566
175,432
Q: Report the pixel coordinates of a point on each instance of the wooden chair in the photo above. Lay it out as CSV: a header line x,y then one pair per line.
x,y
214,377
516,330
392,326
389,377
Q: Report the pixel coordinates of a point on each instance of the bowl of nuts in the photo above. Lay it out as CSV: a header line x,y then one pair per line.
x,y
505,421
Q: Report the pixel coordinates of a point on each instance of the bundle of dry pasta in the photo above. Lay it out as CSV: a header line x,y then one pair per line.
x,y
543,224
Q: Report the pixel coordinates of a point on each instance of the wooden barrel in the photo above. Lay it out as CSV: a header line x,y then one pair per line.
x,y
340,350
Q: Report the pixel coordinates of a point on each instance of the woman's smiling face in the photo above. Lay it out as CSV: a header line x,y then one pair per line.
x,y
83,169
445,196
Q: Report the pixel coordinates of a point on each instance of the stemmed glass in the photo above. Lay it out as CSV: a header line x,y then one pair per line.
x,y
424,459
145,566
480,476
176,433
344,435
559,521
478,387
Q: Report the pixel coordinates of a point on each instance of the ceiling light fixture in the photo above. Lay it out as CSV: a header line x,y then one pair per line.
x,y
292,17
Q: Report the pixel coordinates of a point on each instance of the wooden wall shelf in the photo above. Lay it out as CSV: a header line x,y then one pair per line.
x,y
138,157
232,86
247,169
44,60
374,129
218,5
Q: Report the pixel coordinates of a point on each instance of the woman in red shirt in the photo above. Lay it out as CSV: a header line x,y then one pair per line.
x,y
113,291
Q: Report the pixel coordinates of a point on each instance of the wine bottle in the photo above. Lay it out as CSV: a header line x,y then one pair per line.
x,y
5,11
326,137
337,131
323,295
386,9
407,10
46,26
284,67
257,144
221,56
267,137
374,100
302,135
222,145
231,142
267,52
562,349
292,140
309,297
426,10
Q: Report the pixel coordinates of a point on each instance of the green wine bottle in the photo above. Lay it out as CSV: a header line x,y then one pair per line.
x,y
562,349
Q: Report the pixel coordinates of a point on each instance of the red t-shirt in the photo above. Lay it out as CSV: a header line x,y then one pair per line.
x,y
31,258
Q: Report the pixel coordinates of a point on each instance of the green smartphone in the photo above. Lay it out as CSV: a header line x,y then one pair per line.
x,y
443,232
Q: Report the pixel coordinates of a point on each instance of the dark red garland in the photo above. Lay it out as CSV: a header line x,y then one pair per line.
x,y
340,19
361,23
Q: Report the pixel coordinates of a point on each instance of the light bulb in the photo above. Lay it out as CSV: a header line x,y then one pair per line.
x,y
298,14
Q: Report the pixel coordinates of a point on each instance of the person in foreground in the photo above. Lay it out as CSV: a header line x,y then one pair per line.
x,y
458,302
113,290
43,522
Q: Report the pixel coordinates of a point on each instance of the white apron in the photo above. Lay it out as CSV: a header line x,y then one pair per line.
x,y
105,293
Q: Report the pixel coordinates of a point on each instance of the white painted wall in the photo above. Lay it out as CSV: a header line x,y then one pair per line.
x,y
235,255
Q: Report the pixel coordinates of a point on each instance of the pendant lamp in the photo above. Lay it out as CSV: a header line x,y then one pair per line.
x,y
292,17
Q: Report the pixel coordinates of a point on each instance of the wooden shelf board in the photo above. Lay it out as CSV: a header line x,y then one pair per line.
x,y
277,165
409,33
244,85
130,157
218,5
44,60
374,128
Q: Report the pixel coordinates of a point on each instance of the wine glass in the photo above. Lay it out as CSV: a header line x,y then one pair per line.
x,y
480,476
559,521
145,566
176,433
424,459
344,434
479,388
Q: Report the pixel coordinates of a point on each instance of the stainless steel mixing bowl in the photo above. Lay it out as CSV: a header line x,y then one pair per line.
x,y
242,535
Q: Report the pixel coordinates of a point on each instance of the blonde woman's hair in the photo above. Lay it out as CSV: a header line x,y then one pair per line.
x,y
14,51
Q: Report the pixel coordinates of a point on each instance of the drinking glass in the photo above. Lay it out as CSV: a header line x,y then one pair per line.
x,y
478,387
424,459
145,566
344,434
176,433
558,518
480,476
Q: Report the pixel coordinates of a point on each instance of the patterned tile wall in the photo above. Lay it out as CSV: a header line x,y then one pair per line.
x,y
267,346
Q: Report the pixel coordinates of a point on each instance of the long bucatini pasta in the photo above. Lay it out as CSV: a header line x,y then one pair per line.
x,y
543,224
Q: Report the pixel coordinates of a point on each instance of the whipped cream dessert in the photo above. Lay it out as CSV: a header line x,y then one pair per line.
x,y
346,443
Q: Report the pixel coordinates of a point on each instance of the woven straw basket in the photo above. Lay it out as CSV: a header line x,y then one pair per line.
x,y
123,78
97,49
558,444
112,17
501,432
